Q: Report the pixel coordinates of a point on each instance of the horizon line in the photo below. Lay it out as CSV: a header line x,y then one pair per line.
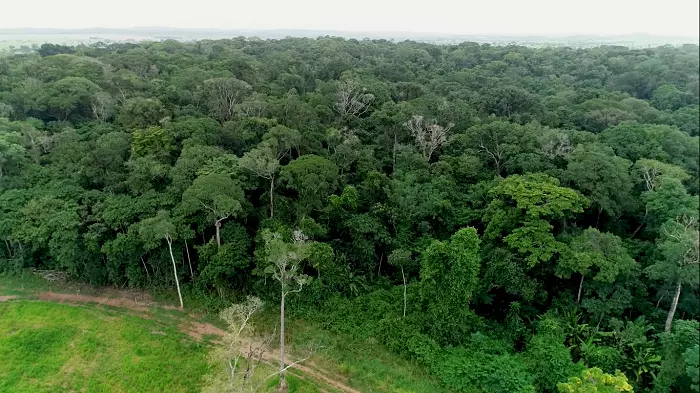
x,y
373,32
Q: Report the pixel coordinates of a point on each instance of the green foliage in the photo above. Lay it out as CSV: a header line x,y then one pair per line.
x,y
593,380
484,366
568,182
532,199
692,369
683,337
142,113
448,275
313,178
549,361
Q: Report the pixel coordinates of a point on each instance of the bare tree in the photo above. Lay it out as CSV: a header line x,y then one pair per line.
x,y
351,99
40,140
554,144
653,171
241,347
428,134
224,94
492,146
102,106
253,106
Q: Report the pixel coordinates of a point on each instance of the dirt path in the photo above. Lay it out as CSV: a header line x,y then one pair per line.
x,y
114,302
196,330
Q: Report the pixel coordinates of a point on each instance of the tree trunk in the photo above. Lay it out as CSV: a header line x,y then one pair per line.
x,y
272,197
146,269
404,292
674,304
646,211
282,388
580,287
177,282
189,261
218,232
393,166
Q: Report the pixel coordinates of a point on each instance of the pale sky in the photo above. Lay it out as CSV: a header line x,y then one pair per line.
x,y
503,17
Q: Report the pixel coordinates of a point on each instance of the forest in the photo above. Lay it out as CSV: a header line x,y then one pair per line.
x,y
511,219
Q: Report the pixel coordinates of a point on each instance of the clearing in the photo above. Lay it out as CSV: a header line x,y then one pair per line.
x,y
123,341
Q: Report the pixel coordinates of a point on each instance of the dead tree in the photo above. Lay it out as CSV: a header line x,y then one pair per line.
x,y
428,134
351,99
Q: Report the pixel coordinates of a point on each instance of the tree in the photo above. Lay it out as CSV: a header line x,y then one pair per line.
x,y
690,358
156,229
263,162
66,96
495,141
592,249
594,380
652,172
141,113
668,97
401,258
102,105
679,259
224,94
217,194
314,178
192,159
603,177
521,210
238,335
12,153
684,337
351,99
428,134
283,264
448,277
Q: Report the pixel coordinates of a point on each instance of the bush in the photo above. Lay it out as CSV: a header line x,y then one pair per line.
x,y
484,365
604,357
550,362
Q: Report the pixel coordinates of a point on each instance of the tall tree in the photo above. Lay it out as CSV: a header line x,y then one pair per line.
x,y
679,259
218,195
593,251
156,229
283,264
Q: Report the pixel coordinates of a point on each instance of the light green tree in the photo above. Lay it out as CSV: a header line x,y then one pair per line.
x,y
283,261
594,380
595,252
156,229
680,258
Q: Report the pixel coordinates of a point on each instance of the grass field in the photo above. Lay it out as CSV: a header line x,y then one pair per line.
x,y
47,346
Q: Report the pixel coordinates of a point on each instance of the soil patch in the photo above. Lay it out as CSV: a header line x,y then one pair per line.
x,y
197,330
6,298
120,302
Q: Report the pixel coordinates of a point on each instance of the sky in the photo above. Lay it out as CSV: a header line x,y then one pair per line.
x,y
493,17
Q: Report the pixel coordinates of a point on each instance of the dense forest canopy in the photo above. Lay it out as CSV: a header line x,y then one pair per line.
x,y
514,219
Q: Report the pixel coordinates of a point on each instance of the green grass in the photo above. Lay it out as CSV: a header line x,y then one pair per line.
x,y
364,365
48,347
51,347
